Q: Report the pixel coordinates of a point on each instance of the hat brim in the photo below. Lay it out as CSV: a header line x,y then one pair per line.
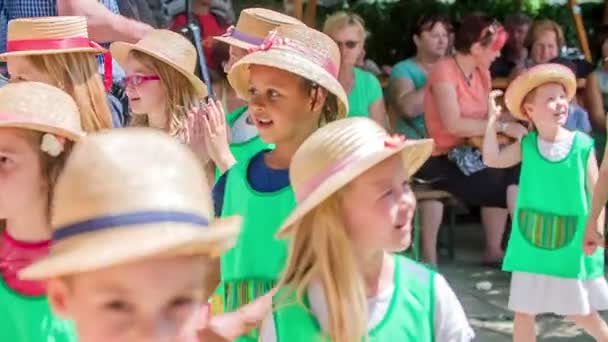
x,y
234,42
98,250
238,77
413,152
533,78
39,127
51,52
120,52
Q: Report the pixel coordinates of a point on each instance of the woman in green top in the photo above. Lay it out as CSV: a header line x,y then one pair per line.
x,y
551,274
39,124
363,88
355,208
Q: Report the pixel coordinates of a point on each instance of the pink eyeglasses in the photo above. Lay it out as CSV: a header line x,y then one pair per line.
x,y
135,80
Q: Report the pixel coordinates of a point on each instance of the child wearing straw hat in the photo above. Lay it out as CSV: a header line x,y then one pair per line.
x,y
551,273
133,254
355,208
251,28
57,51
38,125
290,84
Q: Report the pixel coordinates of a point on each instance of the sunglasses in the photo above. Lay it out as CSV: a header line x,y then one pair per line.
x,y
349,44
135,80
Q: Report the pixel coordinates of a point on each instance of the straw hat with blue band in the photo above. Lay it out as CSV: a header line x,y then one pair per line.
x,y
127,195
253,26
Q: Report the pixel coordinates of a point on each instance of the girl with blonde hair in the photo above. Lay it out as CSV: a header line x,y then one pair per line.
x,y
57,51
355,207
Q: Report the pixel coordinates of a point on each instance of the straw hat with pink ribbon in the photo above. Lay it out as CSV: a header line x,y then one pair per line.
x,y
253,26
107,212
337,153
53,35
299,50
41,108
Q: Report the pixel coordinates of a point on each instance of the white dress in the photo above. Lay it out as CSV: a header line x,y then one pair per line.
x,y
536,293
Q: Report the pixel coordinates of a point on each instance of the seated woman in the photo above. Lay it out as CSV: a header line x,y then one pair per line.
x,y
405,103
455,108
363,88
514,54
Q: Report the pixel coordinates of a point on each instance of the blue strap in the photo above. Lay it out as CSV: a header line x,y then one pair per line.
x,y
129,219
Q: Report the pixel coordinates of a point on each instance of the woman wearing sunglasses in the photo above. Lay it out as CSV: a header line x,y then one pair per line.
x,y
363,88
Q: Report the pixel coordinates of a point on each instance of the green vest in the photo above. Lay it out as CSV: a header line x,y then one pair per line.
x,y
552,208
410,316
252,267
246,149
29,319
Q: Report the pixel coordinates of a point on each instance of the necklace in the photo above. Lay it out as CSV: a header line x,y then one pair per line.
x,y
467,78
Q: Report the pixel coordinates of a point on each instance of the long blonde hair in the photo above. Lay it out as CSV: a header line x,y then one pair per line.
x,y
321,250
340,20
181,94
77,74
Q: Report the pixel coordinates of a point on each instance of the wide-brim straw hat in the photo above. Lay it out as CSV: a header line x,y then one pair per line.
x,y
168,47
253,26
48,35
40,107
300,50
129,195
533,78
337,153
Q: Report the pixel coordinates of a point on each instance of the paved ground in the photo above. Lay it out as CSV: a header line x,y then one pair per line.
x,y
487,310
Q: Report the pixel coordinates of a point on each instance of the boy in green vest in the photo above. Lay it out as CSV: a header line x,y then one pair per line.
x,y
355,208
551,274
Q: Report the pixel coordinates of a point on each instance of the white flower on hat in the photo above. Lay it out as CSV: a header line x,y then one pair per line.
x,y
52,145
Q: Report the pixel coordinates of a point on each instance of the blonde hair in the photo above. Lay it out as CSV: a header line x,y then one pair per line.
x,y
541,26
181,94
77,74
321,250
340,20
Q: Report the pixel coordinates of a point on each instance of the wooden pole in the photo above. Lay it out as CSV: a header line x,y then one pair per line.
x,y
605,19
575,11
311,13
297,8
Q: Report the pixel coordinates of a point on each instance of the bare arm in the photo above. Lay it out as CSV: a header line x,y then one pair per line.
x,y
445,97
103,25
597,185
408,100
377,112
493,156
595,102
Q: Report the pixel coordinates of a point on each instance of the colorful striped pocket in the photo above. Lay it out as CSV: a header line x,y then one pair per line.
x,y
239,293
545,230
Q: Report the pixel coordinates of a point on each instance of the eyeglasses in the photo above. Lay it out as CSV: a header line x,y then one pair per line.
x,y
349,44
135,80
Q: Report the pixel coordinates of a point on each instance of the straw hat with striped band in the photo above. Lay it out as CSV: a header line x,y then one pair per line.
x,y
107,212
253,26
40,107
168,47
532,79
339,152
299,50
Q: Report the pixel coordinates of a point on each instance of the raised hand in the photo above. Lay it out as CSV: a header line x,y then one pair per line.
x,y
494,109
216,135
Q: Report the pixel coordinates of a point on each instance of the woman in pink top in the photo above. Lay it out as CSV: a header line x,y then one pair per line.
x,y
455,106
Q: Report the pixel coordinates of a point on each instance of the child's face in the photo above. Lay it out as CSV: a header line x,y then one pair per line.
x,y
548,106
150,300
22,185
379,206
280,106
148,96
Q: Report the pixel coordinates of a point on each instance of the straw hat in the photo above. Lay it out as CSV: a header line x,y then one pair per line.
x,y
339,152
253,26
48,35
39,107
299,50
107,212
168,47
533,78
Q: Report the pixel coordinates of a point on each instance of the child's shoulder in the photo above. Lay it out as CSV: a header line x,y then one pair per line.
x,y
413,268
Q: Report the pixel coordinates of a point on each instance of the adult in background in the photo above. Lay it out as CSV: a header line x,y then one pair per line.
x,y
406,108
363,88
514,54
455,109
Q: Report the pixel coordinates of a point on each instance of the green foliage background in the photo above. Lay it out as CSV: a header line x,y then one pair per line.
x,y
390,22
